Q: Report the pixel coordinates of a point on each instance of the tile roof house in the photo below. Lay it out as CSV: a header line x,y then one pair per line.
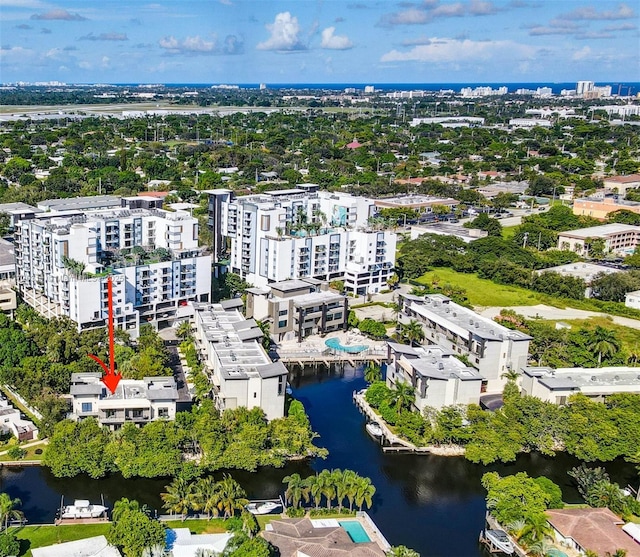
x,y
595,529
300,537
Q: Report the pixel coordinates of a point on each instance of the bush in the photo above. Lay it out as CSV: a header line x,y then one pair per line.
x,y
16,453
325,512
389,415
377,393
295,512
9,545
372,328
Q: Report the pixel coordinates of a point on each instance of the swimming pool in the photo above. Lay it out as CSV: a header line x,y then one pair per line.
x,y
335,344
355,530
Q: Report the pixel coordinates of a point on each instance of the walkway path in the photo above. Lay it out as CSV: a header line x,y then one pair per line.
x,y
542,311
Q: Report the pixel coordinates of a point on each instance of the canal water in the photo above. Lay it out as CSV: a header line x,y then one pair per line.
x,y
432,504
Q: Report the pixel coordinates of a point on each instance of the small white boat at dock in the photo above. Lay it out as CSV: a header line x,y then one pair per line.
x,y
263,508
374,429
82,508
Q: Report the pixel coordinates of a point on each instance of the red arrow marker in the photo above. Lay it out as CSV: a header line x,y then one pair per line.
x,y
111,378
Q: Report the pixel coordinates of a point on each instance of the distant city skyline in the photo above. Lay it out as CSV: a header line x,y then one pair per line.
x,y
304,41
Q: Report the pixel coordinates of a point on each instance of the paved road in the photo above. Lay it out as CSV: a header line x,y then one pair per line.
x,y
548,312
179,374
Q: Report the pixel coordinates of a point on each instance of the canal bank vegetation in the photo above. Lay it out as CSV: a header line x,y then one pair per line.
x,y
330,486
199,441
590,431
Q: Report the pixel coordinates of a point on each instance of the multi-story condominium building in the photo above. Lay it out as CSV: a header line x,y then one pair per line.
x,y
439,378
620,184
153,256
298,308
137,401
600,208
557,385
299,233
490,347
620,239
241,372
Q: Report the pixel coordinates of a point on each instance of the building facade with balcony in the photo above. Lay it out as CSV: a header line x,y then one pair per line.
x,y
300,233
490,348
620,239
438,377
298,308
137,401
152,255
240,371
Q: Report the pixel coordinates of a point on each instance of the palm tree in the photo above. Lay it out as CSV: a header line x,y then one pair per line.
x,y
232,496
315,489
206,496
517,528
412,331
541,548
179,497
372,372
123,506
154,551
8,510
536,528
350,485
296,489
365,491
604,342
402,396
402,551
327,487
183,331
511,376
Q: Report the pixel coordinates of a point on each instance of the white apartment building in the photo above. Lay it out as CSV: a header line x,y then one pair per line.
x,y
153,256
439,378
621,239
557,385
241,372
490,347
300,233
138,401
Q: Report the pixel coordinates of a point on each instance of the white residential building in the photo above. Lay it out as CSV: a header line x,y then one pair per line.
x,y
632,299
490,347
241,372
137,401
621,239
439,378
12,422
557,385
301,233
153,256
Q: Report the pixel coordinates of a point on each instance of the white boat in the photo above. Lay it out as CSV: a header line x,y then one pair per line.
x,y
374,429
262,508
81,508
500,540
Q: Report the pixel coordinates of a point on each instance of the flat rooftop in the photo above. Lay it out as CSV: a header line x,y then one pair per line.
x,y
79,203
441,309
576,378
314,298
414,201
18,208
7,255
585,271
433,362
600,231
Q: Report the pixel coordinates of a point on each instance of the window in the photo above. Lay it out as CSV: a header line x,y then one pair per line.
x,y
109,413
163,412
136,413
281,384
87,406
283,312
282,323
255,395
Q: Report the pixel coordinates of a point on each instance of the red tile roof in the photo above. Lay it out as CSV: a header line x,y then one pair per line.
x,y
596,529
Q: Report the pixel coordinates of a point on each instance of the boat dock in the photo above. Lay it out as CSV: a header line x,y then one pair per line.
x,y
390,442
493,524
328,357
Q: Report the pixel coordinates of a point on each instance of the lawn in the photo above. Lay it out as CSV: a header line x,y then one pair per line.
x,y
41,536
483,292
509,232
31,452
627,336
199,526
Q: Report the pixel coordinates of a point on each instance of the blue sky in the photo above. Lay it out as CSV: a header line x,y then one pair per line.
x,y
319,41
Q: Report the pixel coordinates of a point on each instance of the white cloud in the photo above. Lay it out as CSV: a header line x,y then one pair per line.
x,y
584,52
335,42
432,9
621,12
284,34
105,37
85,65
440,50
197,45
58,14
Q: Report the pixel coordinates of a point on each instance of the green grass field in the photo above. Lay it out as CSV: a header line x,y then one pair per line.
x,y
483,292
40,536
200,526
509,232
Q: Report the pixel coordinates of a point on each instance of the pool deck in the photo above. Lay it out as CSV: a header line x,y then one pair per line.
x,y
313,350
